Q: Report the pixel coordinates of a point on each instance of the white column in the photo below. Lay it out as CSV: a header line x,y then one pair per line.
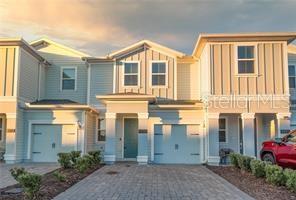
x,y
248,134
213,138
283,124
10,146
142,157
110,145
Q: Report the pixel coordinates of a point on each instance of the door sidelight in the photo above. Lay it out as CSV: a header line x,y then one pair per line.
x,y
53,145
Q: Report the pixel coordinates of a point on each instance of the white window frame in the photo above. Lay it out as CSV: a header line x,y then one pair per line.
x,y
138,74
166,73
2,128
61,78
97,130
226,130
255,73
291,76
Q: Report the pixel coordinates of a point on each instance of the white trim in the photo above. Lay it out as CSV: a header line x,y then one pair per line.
x,y
109,158
109,115
97,130
283,115
11,115
114,76
142,159
247,116
166,73
143,115
213,115
16,71
175,79
242,44
61,78
226,129
138,75
49,122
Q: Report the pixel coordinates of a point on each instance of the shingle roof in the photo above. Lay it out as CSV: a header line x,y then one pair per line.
x,y
55,102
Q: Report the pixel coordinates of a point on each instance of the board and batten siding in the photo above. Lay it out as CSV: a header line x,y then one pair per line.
x,y
270,61
101,82
7,70
145,56
188,83
28,76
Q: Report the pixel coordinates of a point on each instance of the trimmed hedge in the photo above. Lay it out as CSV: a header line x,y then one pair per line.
x,y
290,176
275,175
258,168
244,162
234,159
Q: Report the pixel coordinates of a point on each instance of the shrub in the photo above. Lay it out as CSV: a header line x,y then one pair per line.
x,y
74,155
30,182
258,168
234,159
83,163
95,156
244,162
275,175
16,172
61,177
290,176
65,160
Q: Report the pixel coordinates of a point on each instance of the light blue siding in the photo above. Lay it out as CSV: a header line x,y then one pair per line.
x,y
53,84
101,81
232,133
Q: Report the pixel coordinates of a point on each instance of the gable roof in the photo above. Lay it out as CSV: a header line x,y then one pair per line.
x,y
45,41
145,43
237,37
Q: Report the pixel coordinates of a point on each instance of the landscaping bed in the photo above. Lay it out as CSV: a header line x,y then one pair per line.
x,y
74,167
50,186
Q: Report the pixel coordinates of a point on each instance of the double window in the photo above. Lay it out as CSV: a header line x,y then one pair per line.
x,y
1,128
68,78
131,74
158,73
292,77
101,132
222,130
246,59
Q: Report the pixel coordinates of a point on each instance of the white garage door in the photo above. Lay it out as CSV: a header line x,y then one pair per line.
x,y
49,140
177,144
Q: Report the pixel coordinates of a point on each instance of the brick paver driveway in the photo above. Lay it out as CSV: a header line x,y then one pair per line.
x,y
40,168
131,181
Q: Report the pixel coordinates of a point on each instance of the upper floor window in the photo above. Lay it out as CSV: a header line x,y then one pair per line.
x,y
101,133
1,128
222,130
131,73
158,73
68,79
292,77
246,59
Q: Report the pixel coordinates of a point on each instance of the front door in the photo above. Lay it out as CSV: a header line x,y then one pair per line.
x,y
130,137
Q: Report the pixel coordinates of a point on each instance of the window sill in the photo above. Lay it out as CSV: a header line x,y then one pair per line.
x,y
159,87
246,75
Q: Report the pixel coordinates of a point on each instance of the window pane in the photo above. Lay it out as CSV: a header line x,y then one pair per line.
x,y
158,67
68,84
1,122
0,135
222,136
222,124
291,70
101,135
69,73
292,82
130,68
131,80
158,80
245,52
246,67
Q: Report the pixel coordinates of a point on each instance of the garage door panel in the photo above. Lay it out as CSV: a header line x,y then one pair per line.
x,y
180,145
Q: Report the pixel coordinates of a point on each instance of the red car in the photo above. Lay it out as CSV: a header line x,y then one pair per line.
x,y
281,151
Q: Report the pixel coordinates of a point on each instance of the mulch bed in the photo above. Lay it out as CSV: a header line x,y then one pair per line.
x,y
51,186
257,188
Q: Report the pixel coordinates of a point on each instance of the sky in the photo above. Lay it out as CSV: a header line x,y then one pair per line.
x,y
98,27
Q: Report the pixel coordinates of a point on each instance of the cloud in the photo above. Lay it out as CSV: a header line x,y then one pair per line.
x,y
99,27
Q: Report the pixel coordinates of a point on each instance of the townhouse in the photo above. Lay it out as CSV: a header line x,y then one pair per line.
x,y
146,102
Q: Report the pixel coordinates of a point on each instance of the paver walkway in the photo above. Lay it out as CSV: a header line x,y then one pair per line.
x,y
131,181
40,168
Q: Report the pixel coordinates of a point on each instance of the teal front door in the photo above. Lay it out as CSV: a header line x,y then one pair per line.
x,y
130,137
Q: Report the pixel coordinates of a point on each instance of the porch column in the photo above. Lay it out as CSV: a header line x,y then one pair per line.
x,y
142,157
213,122
110,145
283,124
248,134
10,143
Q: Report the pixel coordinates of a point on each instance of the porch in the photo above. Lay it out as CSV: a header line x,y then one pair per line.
x,y
243,132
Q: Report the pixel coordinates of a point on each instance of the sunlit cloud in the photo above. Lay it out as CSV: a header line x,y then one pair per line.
x,y
99,27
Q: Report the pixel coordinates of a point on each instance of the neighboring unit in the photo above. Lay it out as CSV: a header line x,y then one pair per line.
x,y
146,102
